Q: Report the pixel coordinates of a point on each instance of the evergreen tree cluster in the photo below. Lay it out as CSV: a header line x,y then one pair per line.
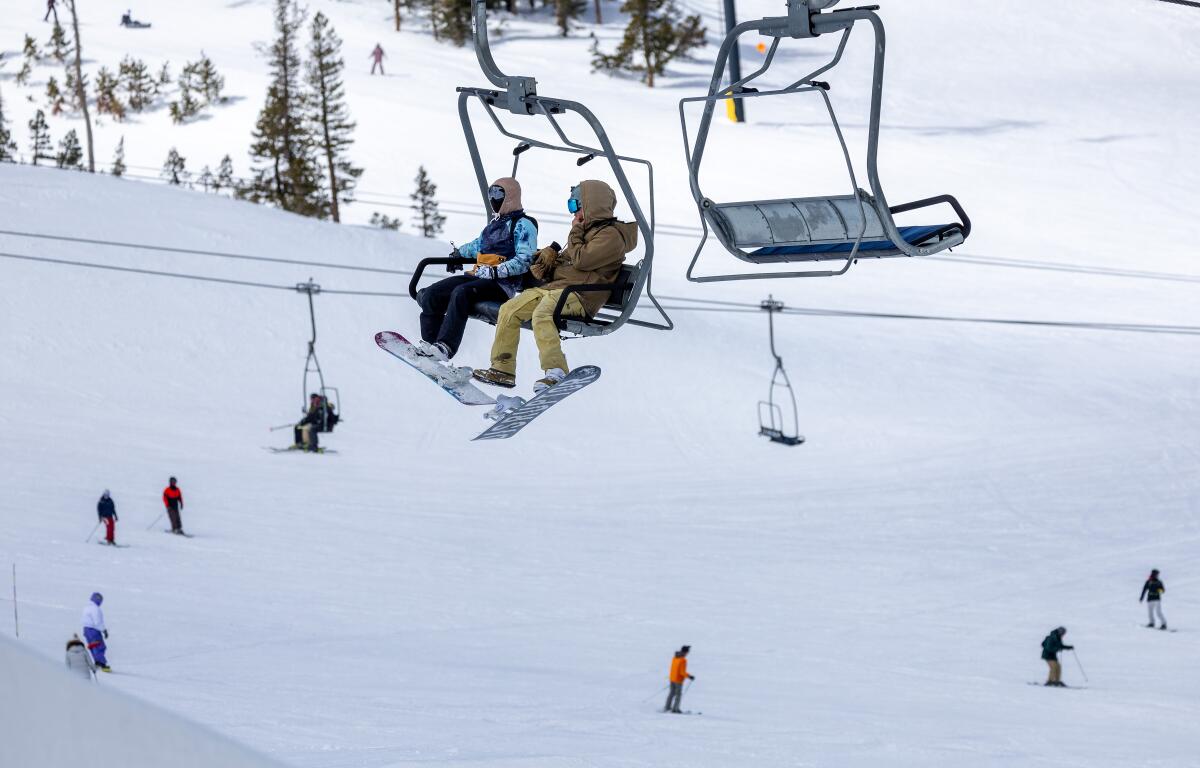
x,y
657,34
303,131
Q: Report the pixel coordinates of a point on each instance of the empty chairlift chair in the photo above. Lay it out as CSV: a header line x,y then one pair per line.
x,y
837,228
518,95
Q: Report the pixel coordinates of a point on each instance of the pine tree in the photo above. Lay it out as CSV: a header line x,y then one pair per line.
x,y
32,54
656,34
80,91
107,100
427,219
186,105
206,179
8,147
565,11
207,80
164,75
60,49
225,178
138,83
329,116
599,15
70,154
118,166
174,170
54,98
288,174
452,19
383,221
39,138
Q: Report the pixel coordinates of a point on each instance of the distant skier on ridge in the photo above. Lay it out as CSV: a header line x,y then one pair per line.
x,y
1152,593
106,510
95,632
1051,645
378,55
173,499
675,678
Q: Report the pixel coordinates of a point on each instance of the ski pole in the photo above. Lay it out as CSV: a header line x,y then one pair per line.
x,y
1076,655
281,426
93,533
16,620
656,693
160,514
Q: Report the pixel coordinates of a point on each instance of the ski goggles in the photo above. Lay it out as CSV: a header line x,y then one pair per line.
x,y
573,201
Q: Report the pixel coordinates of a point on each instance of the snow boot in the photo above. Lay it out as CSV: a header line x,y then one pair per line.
x,y
438,350
495,377
104,668
1150,625
552,377
1163,627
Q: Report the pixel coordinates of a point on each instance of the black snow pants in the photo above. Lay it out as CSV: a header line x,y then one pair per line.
x,y
446,307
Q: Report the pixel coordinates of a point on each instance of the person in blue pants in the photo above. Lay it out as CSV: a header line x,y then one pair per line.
x,y
94,631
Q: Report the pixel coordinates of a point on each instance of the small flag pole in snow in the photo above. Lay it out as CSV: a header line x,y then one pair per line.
x,y
93,533
656,693
160,514
16,623
1076,655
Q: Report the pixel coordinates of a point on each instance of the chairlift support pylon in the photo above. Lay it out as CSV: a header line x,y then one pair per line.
x,y
837,228
770,414
311,364
517,94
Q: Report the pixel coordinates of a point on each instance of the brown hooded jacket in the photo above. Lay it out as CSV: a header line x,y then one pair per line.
x,y
595,249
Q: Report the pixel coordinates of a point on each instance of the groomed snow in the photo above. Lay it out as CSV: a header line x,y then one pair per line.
x,y
875,597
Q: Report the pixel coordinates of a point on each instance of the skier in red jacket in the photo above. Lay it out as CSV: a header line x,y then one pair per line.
x,y
173,500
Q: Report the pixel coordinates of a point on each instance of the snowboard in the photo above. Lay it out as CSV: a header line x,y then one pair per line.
x,y
464,392
513,420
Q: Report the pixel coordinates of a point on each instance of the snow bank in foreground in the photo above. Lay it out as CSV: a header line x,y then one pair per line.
x,y
49,718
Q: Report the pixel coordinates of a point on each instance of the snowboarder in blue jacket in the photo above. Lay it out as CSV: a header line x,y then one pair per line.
x,y
503,253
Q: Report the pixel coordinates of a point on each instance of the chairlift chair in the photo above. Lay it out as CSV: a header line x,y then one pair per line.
x,y
518,95
312,366
770,413
835,228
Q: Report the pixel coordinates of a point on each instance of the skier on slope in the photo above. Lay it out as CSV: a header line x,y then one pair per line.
x,y
1051,645
78,660
596,248
50,8
378,55
1152,593
95,632
675,679
503,253
172,498
106,510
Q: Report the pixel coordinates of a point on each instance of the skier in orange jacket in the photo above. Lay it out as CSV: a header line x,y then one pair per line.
x,y
676,677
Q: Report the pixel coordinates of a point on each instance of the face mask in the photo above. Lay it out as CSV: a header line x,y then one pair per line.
x,y
496,197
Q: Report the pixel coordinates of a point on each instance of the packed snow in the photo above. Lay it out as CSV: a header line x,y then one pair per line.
x,y
874,597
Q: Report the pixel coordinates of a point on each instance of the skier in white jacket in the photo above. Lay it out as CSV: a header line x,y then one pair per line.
x,y
77,658
95,632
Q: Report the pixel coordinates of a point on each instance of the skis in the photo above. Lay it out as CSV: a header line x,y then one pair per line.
x,y
181,533
1159,629
1068,687
513,420
294,449
443,375
114,544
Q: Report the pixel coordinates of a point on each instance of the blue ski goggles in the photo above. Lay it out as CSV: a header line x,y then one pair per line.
x,y
573,201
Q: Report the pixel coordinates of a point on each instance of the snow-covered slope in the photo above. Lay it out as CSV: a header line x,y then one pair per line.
x,y
53,719
873,597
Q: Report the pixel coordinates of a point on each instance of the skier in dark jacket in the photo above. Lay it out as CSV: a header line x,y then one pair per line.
x,y
318,418
1050,648
106,510
1152,593
503,253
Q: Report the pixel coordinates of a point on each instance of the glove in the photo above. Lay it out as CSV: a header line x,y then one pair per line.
x,y
485,272
455,254
556,246
691,677
106,634
1068,647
